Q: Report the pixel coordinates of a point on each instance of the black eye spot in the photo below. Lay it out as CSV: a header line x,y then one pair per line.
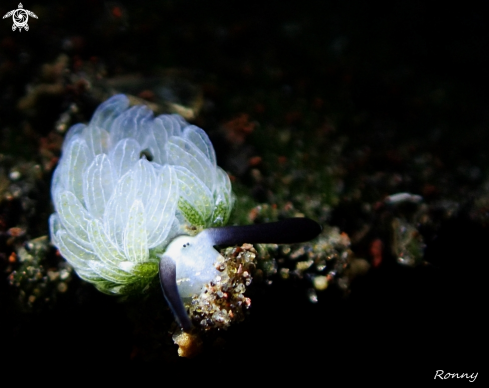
x,y
147,154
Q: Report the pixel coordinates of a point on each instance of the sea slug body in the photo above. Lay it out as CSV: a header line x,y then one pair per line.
x,y
126,185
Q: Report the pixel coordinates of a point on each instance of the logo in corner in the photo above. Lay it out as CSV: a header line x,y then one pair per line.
x,y
20,16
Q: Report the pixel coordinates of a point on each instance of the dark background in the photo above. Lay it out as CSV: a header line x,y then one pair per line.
x,y
390,77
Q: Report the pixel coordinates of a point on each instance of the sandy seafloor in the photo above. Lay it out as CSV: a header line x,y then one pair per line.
x,y
368,101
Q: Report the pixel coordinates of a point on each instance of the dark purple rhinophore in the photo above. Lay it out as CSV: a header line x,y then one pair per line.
x,y
168,280
289,231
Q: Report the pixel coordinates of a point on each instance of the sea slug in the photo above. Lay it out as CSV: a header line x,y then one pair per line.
x,y
131,193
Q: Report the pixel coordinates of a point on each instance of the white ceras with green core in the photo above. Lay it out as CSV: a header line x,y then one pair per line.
x,y
126,185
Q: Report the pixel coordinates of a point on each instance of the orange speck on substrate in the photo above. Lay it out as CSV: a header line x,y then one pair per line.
x,y
16,232
254,161
282,159
288,206
12,258
52,163
238,128
345,238
117,12
376,248
253,214
147,95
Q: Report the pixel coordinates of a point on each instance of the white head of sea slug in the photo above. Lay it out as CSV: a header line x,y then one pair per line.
x,y
127,190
